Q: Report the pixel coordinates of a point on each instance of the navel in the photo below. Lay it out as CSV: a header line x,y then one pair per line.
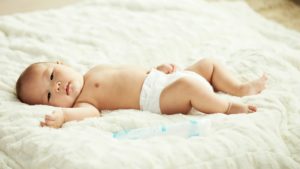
x,y
96,85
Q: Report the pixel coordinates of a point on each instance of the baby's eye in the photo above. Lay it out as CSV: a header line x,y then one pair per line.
x,y
49,96
51,76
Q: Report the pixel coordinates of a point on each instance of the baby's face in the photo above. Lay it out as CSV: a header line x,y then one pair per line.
x,y
54,84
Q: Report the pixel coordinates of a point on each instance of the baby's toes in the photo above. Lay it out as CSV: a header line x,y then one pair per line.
x,y
251,109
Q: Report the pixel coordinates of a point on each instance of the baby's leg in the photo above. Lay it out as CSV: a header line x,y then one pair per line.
x,y
185,93
222,80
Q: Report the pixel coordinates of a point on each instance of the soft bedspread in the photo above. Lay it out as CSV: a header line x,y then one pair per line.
x,y
147,33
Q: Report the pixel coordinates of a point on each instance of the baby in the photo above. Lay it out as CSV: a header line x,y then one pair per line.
x,y
165,89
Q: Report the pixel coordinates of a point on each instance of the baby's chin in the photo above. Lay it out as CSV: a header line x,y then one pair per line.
x,y
75,88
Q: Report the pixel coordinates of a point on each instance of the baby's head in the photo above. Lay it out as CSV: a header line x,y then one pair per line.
x,y
52,84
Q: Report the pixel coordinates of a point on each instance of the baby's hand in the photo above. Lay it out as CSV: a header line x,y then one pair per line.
x,y
55,120
167,68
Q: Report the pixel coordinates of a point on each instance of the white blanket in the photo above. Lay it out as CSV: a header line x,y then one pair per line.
x,y
147,33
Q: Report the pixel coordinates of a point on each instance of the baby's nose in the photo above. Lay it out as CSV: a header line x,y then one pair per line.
x,y
58,86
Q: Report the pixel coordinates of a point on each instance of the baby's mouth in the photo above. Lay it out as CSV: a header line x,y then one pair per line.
x,y
68,88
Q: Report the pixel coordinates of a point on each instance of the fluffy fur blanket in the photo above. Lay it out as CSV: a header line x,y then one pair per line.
x,y
147,33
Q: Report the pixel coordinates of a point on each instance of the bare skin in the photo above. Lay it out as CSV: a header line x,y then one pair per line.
x,y
196,95
111,87
118,87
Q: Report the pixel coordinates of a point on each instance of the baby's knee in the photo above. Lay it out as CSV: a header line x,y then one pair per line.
x,y
208,61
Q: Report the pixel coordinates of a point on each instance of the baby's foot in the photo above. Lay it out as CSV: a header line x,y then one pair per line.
x,y
254,87
235,108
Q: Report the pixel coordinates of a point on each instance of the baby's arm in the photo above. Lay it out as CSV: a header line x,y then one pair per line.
x,y
62,115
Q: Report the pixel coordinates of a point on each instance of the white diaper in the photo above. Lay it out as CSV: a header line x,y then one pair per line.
x,y
156,81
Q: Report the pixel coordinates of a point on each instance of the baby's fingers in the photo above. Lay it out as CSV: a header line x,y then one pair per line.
x,y
42,124
49,117
46,123
50,123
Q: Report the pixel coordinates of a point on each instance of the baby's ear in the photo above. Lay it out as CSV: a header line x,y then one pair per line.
x,y
59,62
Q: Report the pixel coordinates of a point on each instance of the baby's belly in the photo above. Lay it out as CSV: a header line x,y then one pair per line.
x,y
121,94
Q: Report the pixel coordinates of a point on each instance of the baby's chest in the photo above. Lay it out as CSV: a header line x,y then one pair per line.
x,y
98,93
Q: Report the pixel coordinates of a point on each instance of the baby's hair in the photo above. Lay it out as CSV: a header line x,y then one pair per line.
x,y
22,78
